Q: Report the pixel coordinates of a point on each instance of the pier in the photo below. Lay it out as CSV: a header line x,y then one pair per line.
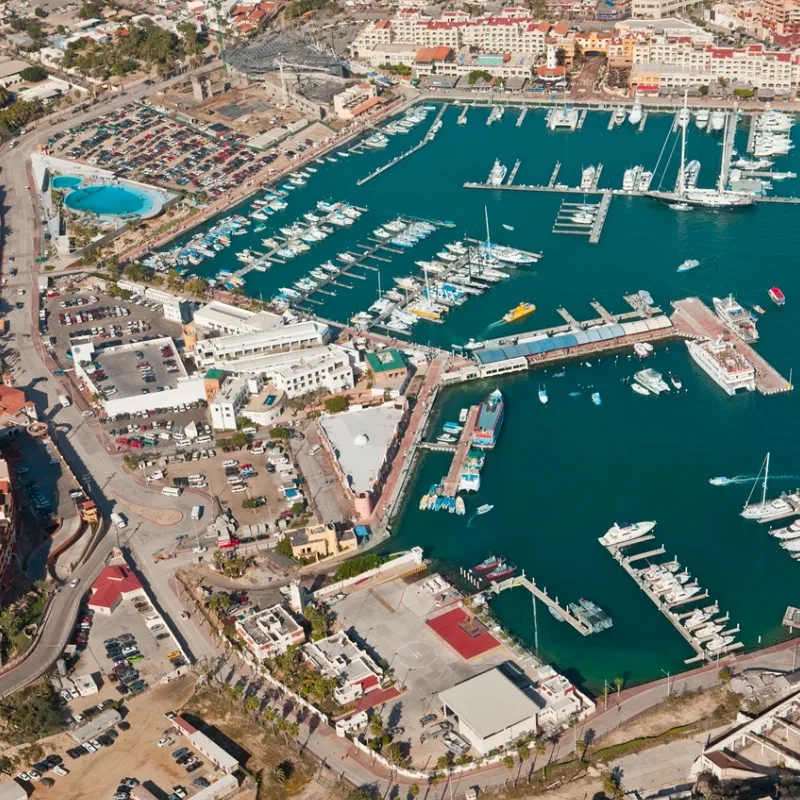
x,y
658,596
541,594
582,119
694,320
451,481
644,120
554,176
751,134
462,117
514,171
522,116
602,213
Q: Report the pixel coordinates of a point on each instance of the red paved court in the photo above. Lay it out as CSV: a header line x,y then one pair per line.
x,y
448,626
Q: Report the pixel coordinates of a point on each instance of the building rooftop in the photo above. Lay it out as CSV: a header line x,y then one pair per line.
x,y
489,703
206,745
360,439
385,360
338,656
270,625
113,581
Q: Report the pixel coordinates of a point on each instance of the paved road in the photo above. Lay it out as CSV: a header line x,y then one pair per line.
x,y
101,472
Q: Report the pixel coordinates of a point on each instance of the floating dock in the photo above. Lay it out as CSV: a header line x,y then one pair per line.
x,y
602,213
522,116
676,617
541,594
451,481
694,320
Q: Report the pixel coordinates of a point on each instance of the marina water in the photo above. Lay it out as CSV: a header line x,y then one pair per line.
x,y
563,473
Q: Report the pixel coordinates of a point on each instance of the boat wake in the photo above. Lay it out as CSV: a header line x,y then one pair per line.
x,y
737,479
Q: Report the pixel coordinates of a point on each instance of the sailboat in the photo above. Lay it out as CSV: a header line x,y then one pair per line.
x,y
765,511
685,197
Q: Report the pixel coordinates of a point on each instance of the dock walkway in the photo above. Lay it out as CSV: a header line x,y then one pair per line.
x,y
450,483
600,218
541,594
692,319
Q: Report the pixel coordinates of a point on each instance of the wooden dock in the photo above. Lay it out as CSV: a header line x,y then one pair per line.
x,y
541,594
692,319
451,481
600,217
514,171
522,116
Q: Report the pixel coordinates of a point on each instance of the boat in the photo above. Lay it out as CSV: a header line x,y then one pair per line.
x,y
591,615
683,117
790,532
736,318
446,438
652,380
518,312
490,563
485,508
497,174
460,507
630,178
777,296
595,398
587,177
702,118
751,165
543,395
718,643
490,420
462,415
643,349
500,571
759,309
717,120
640,389
423,504
508,227
690,263
766,511
675,381
619,116
556,614
690,174
724,364
635,115
621,534
679,206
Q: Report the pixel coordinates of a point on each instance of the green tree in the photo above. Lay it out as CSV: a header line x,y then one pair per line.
x,y
508,762
335,405
252,704
33,74
523,751
618,682
413,791
725,674
319,622
612,786
356,566
280,432
376,725
40,12
8,764
298,508
479,74
581,748
219,602
196,286
284,547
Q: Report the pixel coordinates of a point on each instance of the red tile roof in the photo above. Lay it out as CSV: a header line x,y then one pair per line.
x,y
112,582
185,726
12,400
427,54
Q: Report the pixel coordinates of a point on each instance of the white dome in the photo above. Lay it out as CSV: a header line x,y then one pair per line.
x,y
361,440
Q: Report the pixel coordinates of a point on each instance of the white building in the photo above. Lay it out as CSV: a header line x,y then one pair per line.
x,y
173,307
226,404
270,633
226,318
658,9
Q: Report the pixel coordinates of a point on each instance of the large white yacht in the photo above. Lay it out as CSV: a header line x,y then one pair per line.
x,y
720,360
652,380
497,174
620,534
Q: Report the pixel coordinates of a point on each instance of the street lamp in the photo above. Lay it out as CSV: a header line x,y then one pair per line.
x,y
668,686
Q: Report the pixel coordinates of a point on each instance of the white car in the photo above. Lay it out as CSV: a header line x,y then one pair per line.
x,y
164,742
74,582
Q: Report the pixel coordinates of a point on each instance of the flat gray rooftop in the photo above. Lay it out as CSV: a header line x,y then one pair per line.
x,y
360,440
121,367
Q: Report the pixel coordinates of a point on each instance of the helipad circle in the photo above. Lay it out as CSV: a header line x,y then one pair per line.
x,y
416,655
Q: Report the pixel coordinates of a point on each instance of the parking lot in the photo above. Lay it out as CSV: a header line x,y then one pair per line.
x,y
127,619
150,367
147,146
423,663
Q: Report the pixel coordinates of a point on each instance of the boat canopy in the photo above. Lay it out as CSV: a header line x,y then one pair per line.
x,y
564,341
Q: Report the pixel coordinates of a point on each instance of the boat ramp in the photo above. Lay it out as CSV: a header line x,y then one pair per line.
x,y
678,596
692,319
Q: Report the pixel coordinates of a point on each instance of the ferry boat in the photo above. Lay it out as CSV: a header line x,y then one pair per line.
x,y
518,312
690,263
736,318
488,564
620,534
652,380
723,363
497,174
777,296
490,420
500,571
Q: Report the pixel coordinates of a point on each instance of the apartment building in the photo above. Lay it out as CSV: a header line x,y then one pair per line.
x,y
229,401
321,541
659,9
8,529
782,17
270,633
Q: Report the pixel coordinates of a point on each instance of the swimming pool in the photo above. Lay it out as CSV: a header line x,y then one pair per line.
x,y
66,181
110,200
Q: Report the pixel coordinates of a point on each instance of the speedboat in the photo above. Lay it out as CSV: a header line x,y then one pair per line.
x,y
643,349
690,263
543,395
485,508
635,116
777,296
675,381
640,389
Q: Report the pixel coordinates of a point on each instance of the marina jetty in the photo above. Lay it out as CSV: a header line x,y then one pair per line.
x,y
452,479
692,319
674,593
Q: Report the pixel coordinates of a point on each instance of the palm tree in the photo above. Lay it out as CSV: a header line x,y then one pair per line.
x,y
612,786
413,791
376,726
581,747
618,684
252,704
540,748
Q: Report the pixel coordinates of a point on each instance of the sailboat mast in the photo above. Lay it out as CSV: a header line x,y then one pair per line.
x,y
681,173
764,486
488,237
379,284
720,185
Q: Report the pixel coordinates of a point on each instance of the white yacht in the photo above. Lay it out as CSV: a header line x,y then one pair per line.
x,y
749,165
702,118
736,318
772,120
790,532
645,178
718,643
497,174
620,534
619,116
630,179
651,380
635,115
717,120
723,363
683,117
587,177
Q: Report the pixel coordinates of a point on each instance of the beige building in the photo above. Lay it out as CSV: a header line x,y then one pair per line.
x,y
321,541
659,9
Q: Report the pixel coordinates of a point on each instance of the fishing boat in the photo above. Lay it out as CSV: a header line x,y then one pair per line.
x,y
690,263
556,614
500,571
518,312
596,399
543,395
485,508
640,390
491,562
777,296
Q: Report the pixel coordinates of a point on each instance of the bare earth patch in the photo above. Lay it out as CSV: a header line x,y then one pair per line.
x,y
158,516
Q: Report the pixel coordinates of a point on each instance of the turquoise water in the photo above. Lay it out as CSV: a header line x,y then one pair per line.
x,y
66,181
563,473
109,201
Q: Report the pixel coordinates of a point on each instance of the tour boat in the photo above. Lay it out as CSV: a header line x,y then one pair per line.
x,y
500,571
777,296
518,312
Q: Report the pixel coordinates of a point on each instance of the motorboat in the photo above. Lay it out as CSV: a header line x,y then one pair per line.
x,y
587,177
485,508
635,115
643,349
640,390
596,399
690,263
675,381
702,117
621,534
683,117
543,395
651,380
497,174
789,532
777,296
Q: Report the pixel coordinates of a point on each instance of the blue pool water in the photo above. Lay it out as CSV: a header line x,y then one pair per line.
x,y
66,181
109,201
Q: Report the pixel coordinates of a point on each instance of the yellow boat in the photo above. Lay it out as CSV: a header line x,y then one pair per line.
x,y
522,310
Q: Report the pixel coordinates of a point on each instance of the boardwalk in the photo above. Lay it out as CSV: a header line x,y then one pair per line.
x,y
694,320
450,483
